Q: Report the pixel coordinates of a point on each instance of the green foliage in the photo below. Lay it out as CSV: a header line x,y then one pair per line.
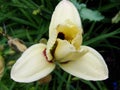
x,y
29,21
91,15
116,18
86,13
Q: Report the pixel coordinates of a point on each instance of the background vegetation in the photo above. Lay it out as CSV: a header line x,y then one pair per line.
x,y
28,20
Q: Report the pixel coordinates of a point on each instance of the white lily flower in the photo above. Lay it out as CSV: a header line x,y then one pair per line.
x,y
64,48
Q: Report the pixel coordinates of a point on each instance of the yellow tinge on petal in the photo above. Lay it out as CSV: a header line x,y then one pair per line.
x,y
66,52
66,22
62,50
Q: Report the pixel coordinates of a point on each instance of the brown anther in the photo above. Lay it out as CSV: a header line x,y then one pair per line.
x,y
44,53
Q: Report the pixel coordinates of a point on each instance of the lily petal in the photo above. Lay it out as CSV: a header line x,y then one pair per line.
x,y
65,13
89,66
63,49
32,65
68,11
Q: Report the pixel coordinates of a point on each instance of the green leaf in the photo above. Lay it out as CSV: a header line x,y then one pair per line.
x,y
116,18
86,13
107,7
92,15
3,86
102,36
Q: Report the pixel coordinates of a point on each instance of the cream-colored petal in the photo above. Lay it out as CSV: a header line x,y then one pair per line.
x,y
63,49
64,14
89,66
32,65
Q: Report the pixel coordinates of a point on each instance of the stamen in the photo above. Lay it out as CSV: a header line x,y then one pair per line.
x,y
53,49
44,53
65,62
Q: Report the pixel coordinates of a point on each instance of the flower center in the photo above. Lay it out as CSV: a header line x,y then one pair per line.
x,y
71,33
61,35
67,32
